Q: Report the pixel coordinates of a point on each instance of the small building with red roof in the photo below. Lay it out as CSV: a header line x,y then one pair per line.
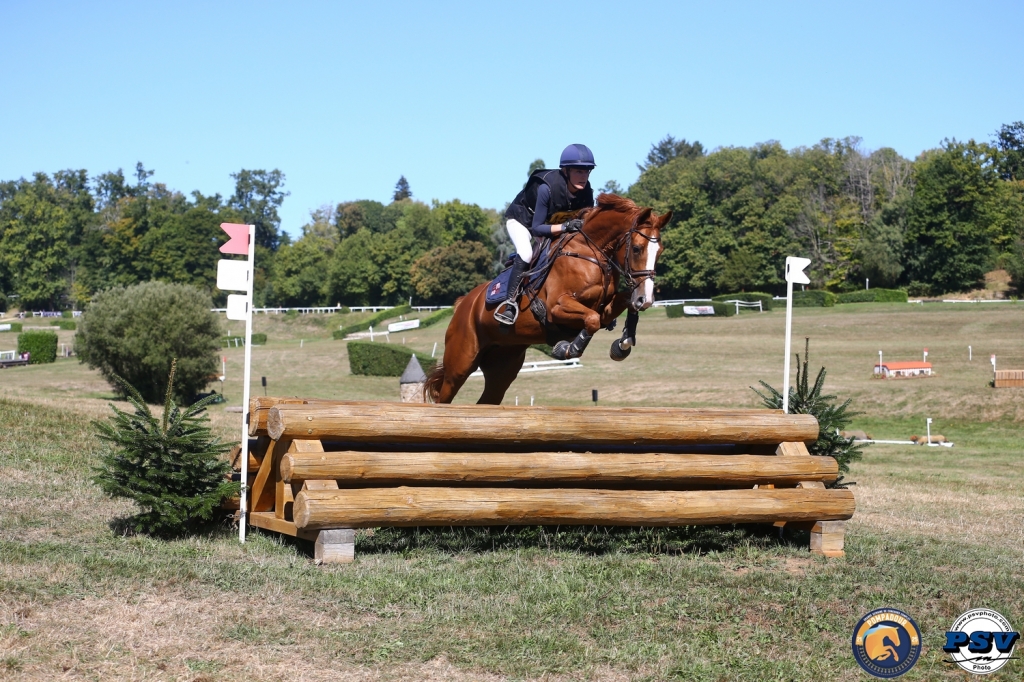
x,y
892,370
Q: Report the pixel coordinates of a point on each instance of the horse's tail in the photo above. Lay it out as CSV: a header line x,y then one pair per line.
x,y
432,386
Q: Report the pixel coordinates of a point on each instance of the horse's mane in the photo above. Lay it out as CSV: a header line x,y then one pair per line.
x,y
605,202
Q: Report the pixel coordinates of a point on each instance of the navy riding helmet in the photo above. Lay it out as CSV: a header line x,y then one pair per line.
x,y
578,155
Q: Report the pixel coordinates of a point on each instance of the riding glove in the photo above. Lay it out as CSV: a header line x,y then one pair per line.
x,y
573,225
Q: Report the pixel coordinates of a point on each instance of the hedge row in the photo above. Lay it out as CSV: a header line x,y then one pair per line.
x,y
15,327
874,296
66,325
383,359
436,316
375,320
815,298
751,297
42,346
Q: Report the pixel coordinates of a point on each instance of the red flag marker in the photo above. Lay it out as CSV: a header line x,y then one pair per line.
x,y
239,239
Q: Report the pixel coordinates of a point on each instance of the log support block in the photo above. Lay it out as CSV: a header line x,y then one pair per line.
x,y
827,538
335,546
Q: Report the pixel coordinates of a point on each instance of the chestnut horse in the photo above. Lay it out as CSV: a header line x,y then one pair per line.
x,y
619,242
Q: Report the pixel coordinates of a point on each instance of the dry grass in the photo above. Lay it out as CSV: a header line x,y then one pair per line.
x,y
937,531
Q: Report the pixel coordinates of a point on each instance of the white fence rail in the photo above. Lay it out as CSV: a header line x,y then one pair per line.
x,y
542,366
333,309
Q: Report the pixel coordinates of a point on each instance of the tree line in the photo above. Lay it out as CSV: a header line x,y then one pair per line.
x,y
930,225
67,236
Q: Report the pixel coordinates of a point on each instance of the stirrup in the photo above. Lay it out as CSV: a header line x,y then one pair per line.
x,y
503,316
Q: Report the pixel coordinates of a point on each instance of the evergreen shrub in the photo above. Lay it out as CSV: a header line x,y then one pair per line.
x,y
259,339
338,334
67,314
42,346
383,359
136,332
436,316
750,297
815,298
874,296
66,325
15,326
174,468
805,398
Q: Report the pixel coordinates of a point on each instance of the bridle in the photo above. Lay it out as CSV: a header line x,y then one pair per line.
x,y
633,278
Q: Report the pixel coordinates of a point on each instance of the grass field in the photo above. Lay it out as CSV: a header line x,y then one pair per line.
x,y
937,530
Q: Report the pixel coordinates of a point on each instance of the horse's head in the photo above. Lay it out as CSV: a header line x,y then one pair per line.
x,y
642,248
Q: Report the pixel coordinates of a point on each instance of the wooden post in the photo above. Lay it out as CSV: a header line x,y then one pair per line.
x,y
335,546
826,536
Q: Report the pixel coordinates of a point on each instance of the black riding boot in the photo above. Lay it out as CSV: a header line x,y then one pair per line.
x,y
508,312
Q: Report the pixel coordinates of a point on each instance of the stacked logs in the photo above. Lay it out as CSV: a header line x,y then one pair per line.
x,y
366,464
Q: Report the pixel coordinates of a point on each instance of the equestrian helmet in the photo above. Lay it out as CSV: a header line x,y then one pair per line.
x,y
578,155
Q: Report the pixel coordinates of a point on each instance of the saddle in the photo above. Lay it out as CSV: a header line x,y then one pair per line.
x,y
533,279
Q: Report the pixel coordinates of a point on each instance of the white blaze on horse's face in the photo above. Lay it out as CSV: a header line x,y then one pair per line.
x,y
652,257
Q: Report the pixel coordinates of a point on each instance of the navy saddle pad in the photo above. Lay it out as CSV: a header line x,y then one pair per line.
x,y
497,290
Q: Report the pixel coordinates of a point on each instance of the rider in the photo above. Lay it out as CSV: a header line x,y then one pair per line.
x,y
546,193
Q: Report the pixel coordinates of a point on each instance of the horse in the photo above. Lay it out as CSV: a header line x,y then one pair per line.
x,y
619,242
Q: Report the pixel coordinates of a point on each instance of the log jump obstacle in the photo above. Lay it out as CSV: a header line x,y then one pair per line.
x,y
320,469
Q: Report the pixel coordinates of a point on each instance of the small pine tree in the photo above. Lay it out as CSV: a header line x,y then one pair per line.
x,y
172,467
402,190
807,399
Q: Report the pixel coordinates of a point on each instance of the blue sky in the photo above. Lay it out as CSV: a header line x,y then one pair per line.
x,y
461,97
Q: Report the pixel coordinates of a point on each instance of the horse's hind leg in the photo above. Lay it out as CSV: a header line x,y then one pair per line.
x,y
500,365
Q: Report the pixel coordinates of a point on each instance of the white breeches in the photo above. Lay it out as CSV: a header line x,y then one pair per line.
x,y
521,238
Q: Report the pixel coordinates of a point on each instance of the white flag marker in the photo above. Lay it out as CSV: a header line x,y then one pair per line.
x,y
237,275
794,273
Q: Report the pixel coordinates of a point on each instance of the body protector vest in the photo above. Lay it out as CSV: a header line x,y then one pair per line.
x,y
522,206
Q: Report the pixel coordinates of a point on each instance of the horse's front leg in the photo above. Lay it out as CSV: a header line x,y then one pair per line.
x,y
570,312
622,346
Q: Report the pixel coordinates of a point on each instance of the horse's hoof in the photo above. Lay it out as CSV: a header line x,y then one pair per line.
x,y
560,351
618,353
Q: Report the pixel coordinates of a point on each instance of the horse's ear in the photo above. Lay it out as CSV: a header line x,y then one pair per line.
x,y
645,214
663,219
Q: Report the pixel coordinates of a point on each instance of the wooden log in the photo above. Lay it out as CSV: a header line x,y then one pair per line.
x,y
430,506
485,425
259,408
373,469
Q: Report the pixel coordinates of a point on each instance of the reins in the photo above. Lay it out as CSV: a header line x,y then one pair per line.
x,y
626,270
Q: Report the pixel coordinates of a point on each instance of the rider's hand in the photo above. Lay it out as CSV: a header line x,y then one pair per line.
x,y
573,225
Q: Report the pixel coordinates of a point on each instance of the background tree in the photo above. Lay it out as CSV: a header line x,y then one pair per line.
x,y
41,223
136,332
402,190
950,226
446,272
1010,141
535,165
258,195
670,148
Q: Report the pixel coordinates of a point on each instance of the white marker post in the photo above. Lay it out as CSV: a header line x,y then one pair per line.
x,y
928,426
794,273
236,275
